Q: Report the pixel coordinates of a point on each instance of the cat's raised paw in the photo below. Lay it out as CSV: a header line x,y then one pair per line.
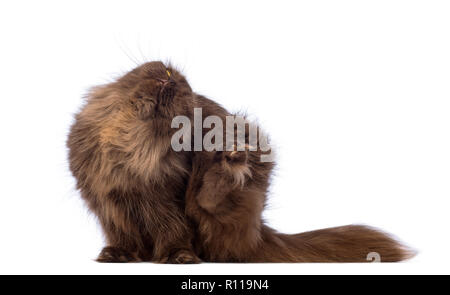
x,y
235,156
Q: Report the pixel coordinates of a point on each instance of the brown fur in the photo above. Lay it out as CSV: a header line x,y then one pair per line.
x,y
155,204
125,168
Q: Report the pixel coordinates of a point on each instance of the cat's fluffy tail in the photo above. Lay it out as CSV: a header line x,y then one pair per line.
x,y
351,243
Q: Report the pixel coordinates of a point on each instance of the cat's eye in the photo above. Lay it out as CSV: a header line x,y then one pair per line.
x,y
168,73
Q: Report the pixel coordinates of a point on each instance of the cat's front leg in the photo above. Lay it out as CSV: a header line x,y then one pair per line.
x,y
182,256
116,254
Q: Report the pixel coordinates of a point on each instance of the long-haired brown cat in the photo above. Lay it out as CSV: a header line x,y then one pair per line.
x,y
156,204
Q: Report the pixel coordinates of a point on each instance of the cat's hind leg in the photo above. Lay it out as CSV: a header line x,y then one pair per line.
x,y
229,172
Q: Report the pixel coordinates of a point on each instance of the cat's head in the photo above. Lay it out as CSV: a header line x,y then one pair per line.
x,y
155,90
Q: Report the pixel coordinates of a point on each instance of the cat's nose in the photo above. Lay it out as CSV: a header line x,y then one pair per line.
x,y
162,81
166,83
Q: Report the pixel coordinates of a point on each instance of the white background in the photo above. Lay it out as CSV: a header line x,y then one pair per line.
x,y
355,95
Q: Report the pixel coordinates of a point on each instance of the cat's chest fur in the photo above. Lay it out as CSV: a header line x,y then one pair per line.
x,y
120,153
